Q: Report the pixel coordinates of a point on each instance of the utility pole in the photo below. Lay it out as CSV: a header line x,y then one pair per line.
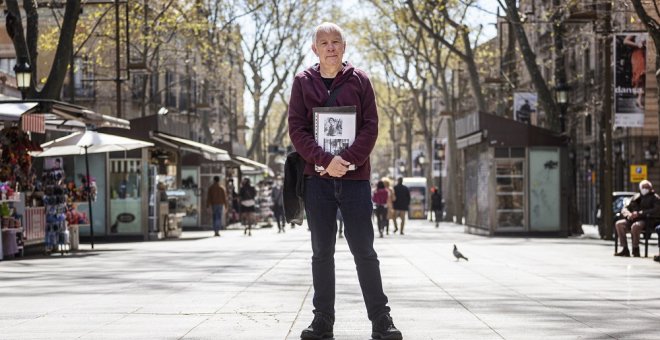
x,y
118,79
606,125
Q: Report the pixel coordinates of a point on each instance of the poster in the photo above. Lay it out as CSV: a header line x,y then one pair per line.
x,y
524,107
629,79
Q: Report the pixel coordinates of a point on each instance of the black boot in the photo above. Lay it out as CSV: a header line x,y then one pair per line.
x,y
321,328
624,252
635,252
383,328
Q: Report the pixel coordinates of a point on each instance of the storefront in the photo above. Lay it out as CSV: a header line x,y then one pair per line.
x,y
178,172
514,179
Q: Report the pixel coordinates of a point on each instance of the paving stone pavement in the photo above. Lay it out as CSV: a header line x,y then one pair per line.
x,y
259,287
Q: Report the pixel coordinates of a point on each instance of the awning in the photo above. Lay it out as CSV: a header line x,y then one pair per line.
x,y
59,114
255,164
209,152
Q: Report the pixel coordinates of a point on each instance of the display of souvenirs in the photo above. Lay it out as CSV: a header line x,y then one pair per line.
x,y
73,216
15,158
78,193
6,192
55,201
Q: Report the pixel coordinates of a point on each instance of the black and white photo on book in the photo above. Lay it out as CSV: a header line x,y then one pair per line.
x,y
334,129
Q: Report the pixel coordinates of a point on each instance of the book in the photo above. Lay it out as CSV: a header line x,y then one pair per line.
x,y
335,129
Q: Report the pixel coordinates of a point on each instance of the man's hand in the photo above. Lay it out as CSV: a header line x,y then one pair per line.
x,y
337,167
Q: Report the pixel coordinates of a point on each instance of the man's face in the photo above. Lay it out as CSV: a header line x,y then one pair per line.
x,y
329,48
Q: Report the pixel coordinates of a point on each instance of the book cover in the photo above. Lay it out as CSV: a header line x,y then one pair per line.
x,y
335,129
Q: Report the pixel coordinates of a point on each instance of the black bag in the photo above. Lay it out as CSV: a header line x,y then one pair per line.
x,y
294,189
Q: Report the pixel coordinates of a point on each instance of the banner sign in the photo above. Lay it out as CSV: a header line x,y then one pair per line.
x,y
524,107
629,79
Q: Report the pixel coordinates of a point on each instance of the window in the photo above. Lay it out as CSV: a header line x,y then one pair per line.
x,y
7,65
83,77
587,125
137,86
170,93
155,88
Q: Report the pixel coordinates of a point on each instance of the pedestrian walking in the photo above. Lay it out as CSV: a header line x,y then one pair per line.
x,y
436,205
401,203
340,223
247,196
216,200
333,82
277,197
380,199
390,204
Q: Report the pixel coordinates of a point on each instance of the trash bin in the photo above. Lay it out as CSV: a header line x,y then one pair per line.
x,y
74,236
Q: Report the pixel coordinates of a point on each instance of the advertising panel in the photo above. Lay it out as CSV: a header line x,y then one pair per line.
x,y
629,79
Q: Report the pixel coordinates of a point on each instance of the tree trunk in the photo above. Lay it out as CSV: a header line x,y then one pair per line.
x,y
32,33
654,31
545,96
473,70
53,87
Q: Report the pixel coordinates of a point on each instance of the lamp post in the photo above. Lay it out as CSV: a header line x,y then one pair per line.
x,y
23,77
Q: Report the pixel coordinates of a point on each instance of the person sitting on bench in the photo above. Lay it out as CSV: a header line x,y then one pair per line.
x,y
643,210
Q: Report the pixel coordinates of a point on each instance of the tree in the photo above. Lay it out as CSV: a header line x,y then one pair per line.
x,y
433,17
653,26
26,44
545,94
274,50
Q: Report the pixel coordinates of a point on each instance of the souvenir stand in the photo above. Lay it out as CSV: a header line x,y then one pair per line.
x,y
55,201
16,175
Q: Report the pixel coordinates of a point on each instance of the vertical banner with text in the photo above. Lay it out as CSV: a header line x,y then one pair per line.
x,y
629,79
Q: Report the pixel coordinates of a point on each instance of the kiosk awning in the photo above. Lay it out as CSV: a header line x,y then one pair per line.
x,y
254,164
209,152
59,114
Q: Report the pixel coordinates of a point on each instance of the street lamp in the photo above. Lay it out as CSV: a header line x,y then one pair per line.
x,y
23,77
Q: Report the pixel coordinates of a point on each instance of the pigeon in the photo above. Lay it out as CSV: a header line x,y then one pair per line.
x,y
458,254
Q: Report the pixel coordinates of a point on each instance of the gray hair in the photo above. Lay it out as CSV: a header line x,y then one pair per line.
x,y
328,27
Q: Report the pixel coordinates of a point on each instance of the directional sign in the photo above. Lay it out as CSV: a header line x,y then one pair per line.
x,y
638,173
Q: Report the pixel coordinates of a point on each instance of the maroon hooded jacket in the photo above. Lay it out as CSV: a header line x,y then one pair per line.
x,y
308,92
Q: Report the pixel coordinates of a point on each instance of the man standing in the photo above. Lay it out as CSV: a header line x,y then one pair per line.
x,y
336,187
642,211
401,203
216,200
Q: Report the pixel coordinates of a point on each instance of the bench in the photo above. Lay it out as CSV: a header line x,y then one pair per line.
x,y
648,233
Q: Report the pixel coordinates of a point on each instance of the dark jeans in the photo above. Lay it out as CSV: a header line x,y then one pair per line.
x,y
217,217
353,198
381,217
278,213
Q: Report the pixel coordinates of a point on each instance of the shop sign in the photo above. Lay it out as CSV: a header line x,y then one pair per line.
x,y
638,173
